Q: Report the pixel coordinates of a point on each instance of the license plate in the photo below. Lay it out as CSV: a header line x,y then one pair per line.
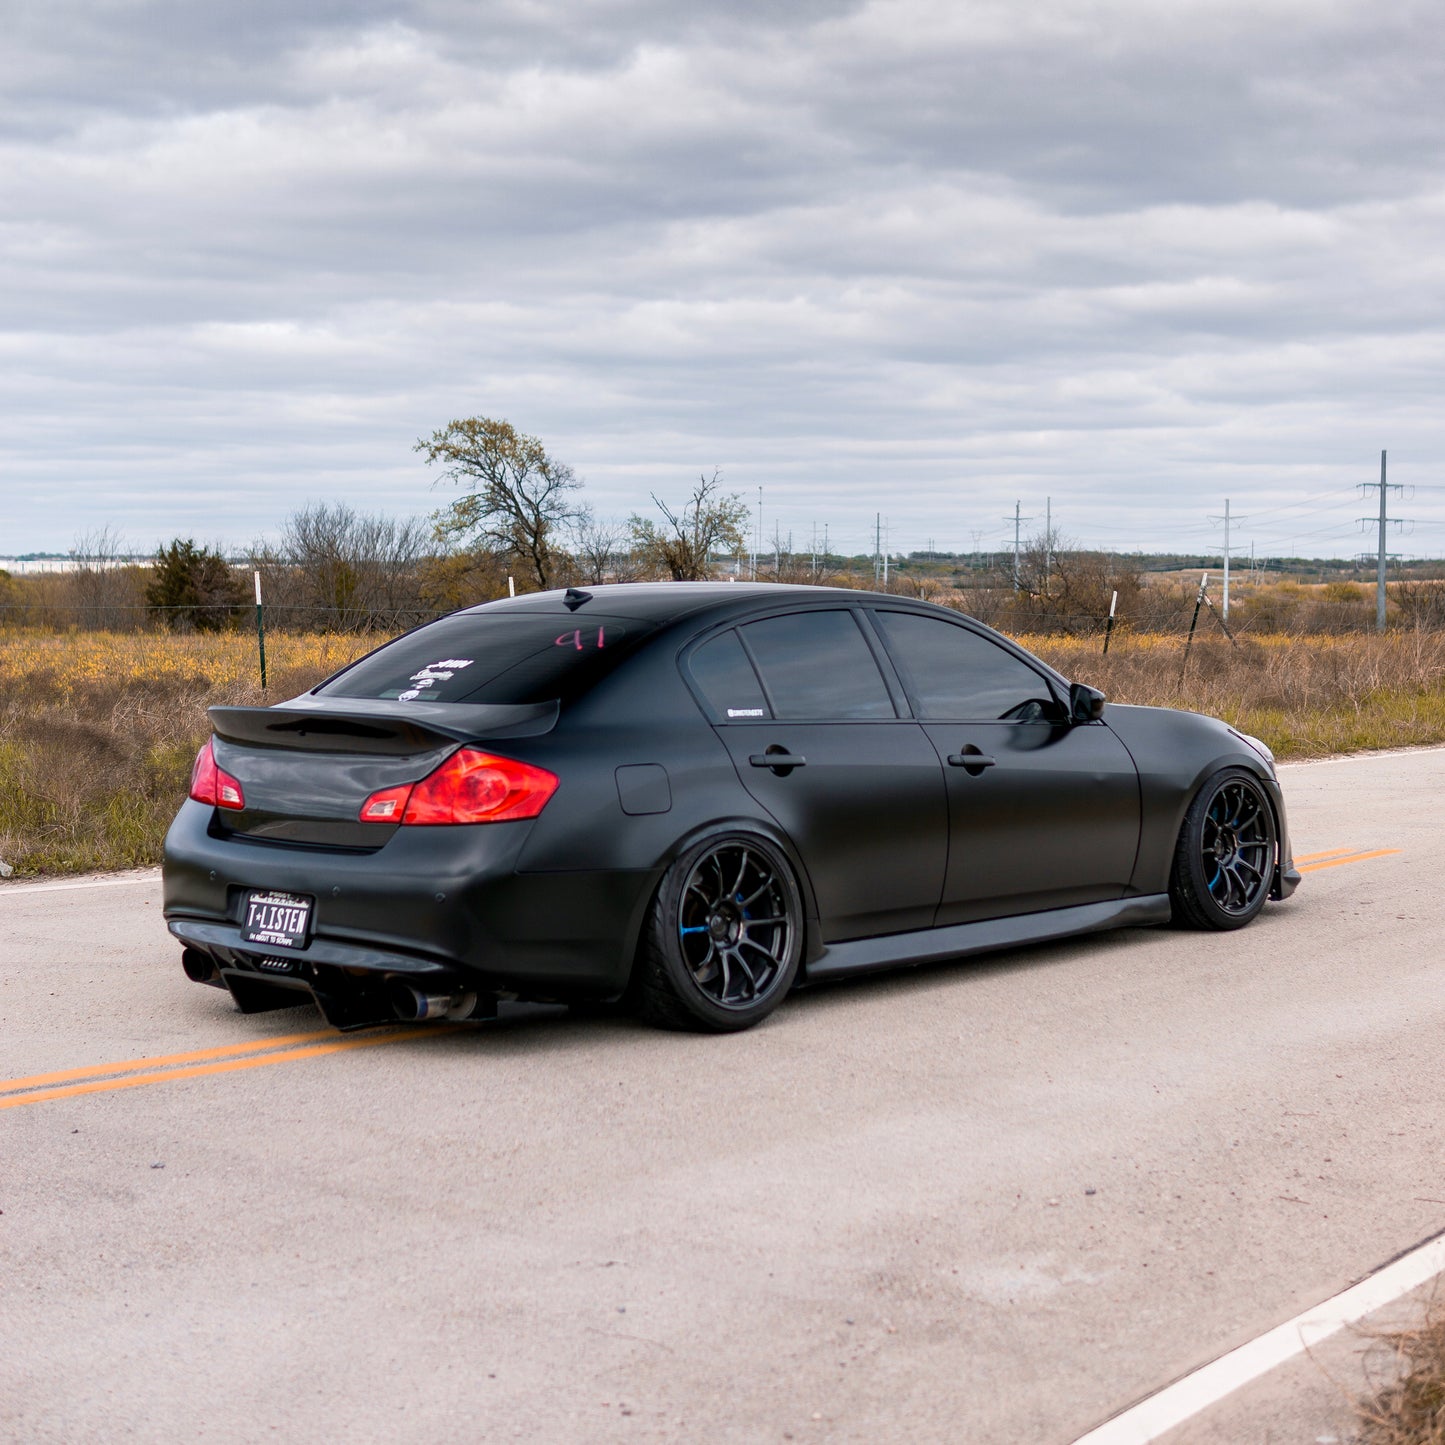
x,y
279,919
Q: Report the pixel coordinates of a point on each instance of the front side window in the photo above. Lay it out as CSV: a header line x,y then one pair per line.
x,y
503,658
818,665
952,672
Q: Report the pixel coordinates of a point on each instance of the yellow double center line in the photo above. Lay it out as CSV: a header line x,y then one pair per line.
x,y
228,1058
1334,857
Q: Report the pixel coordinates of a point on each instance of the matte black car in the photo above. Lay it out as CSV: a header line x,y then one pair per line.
x,y
691,797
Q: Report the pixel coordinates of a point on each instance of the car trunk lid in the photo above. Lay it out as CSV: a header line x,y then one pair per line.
x,y
306,767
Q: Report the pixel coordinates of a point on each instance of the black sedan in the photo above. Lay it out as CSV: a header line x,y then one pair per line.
x,y
692,797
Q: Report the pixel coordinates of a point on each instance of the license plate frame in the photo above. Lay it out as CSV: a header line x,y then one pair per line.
x,y
275,919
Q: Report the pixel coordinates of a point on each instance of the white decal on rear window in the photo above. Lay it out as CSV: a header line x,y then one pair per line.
x,y
433,673
747,712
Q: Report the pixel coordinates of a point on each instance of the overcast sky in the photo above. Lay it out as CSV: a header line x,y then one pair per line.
x,y
925,258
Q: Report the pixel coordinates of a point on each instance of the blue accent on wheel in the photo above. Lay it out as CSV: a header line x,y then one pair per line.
x,y
739,953
1236,842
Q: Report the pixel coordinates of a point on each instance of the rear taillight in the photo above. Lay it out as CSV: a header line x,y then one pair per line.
x,y
213,785
470,787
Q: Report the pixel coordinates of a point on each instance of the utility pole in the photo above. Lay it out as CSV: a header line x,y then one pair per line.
x,y
1018,519
1225,607
1383,521
1227,518
757,551
1380,564
877,545
1048,542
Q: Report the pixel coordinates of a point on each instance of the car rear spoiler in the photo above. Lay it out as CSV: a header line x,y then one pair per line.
x,y
359,725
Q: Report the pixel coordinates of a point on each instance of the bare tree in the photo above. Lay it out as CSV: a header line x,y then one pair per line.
x,y
1061,588
707,523
602,551
517,498
101,590
1419,602
334,566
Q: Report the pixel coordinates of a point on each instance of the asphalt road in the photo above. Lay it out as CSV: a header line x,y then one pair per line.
x,y
993,1201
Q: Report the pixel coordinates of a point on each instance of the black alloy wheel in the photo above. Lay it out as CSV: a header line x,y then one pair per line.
x,y
1224,861
724,939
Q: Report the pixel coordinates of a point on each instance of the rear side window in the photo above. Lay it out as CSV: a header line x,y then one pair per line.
x,y
726,677
818,665
952,672
506,658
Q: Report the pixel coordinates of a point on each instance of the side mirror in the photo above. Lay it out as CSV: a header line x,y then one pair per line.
x,y
1086,704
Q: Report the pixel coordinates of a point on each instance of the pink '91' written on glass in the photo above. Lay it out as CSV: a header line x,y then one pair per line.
x,y
581,641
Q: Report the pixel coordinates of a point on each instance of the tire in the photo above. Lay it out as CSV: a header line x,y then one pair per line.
x,y
1224,860
723,941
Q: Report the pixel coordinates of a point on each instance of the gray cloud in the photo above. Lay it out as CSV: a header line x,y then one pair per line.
x,y
918,257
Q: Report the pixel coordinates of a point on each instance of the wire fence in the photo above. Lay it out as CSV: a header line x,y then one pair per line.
x,y
212,617
1005,611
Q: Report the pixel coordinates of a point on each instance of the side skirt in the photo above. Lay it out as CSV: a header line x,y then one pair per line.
x,y
933,945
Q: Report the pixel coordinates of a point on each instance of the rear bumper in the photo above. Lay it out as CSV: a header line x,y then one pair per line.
x,y
351,986
435,907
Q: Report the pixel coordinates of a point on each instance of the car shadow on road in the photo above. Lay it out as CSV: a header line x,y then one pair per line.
x,y
532,1027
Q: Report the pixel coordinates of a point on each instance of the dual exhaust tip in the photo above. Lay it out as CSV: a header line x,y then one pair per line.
x,y
409,1004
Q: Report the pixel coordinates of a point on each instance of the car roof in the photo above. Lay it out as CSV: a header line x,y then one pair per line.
x,y
661,602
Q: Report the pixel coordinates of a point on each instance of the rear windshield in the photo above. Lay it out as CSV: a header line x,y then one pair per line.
x,y
503,658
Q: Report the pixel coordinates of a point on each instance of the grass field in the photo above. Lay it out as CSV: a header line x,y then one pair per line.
x,y
98,730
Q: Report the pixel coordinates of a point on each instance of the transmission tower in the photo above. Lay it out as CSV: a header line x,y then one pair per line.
x,y
1384,522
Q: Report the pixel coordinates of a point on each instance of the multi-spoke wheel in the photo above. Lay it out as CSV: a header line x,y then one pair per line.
x,y
1225,856
724,938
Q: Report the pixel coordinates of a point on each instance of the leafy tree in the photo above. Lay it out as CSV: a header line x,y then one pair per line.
x,y
458,579
708,522
193,588
517,499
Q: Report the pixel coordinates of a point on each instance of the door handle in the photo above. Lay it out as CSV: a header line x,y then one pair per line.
x,y
975,763
780,760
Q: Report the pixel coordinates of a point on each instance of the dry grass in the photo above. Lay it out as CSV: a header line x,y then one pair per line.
x,y
98,730
1305,696
1410,1409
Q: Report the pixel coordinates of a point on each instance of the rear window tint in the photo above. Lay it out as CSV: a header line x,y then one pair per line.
x,y
728,681
507,658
